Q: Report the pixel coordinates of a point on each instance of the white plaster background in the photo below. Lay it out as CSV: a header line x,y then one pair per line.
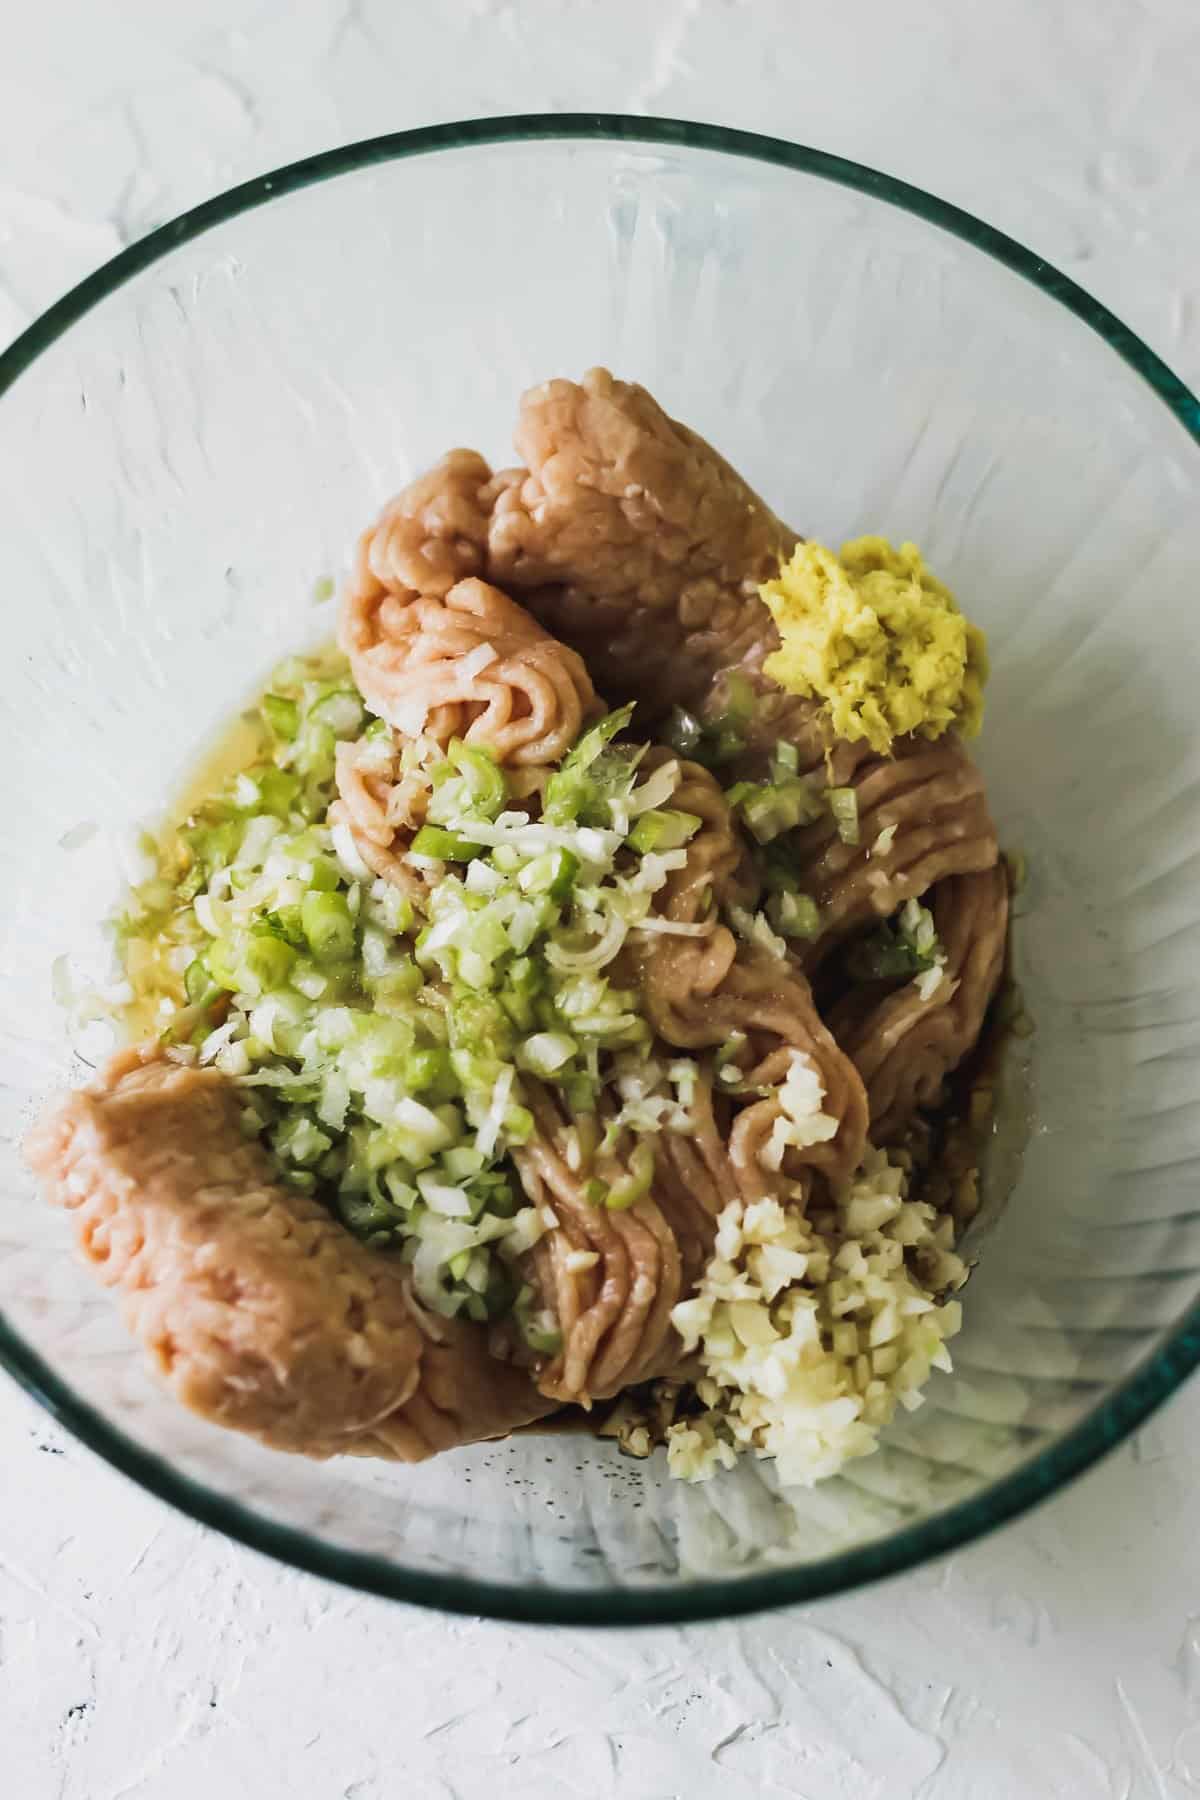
x,y
142,1658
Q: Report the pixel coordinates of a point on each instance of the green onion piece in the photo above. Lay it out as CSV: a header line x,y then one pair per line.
x,y
898,949
484,777
518,1124
553,874
497,1296
503,1201
287,923
545,1053
401,980
519,1007
589,774
525,976
250,1122
587,1133
586,749
281,714
794,915
325,877
300,1140
292,672
786,759
223,963
546,1342
664,829
595,1192
363,1215
429,1073
339,710
266,962
568,795
279,791
843,804
739,699
314,750
399,912
634,1186
198,983
727,742
780,875
462,1161
766,817
881,957
447,846
683,732
213,846
772,808
328,926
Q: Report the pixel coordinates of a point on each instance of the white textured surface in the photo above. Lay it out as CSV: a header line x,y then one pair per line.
x,y
142,1657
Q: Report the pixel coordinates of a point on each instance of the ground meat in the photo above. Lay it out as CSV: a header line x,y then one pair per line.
x,y
633,541
255,1305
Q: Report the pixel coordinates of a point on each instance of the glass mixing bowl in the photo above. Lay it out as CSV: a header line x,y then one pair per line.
x,y
190,441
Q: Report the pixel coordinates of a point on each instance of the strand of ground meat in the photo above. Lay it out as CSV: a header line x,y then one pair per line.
x,y
468,664
922,817
904,1045
433,534
700,992
633,540
615,1316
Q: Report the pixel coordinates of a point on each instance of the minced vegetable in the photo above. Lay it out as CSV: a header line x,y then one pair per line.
x,y
381,1046
876,637
812,1329
904,946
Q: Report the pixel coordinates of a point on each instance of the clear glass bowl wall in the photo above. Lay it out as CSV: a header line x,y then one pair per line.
x,y
182,463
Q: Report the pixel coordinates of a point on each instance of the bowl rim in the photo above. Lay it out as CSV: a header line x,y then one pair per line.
x,y
1109,1422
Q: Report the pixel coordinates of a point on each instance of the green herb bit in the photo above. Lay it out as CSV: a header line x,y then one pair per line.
x,y
281,714
794,915
843,804
634,1186
664,829
553,873
199,985
328,926
446,846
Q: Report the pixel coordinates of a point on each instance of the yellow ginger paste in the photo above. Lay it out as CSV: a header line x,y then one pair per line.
x,y
878,639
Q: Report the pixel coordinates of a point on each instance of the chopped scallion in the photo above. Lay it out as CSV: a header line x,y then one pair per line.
x,y
446,846
666,829
328,926
843,804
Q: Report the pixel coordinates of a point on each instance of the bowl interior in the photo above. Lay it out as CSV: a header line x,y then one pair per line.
x,y
185,462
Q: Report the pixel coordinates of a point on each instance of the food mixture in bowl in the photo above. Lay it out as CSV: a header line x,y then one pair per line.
x,y
567,996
